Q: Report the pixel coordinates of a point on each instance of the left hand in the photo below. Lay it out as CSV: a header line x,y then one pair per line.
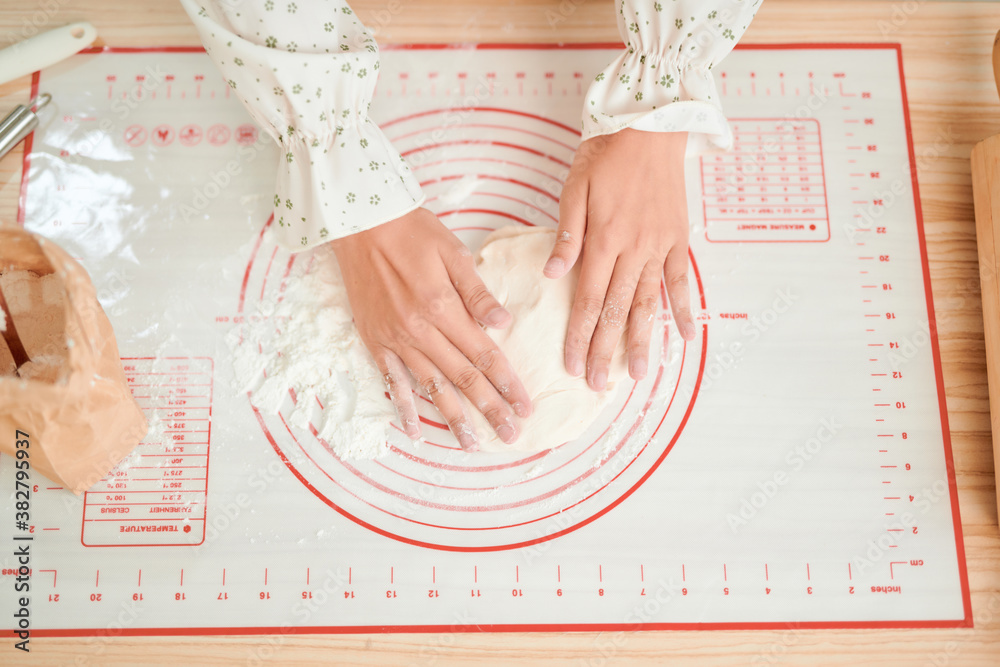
x,y
623,213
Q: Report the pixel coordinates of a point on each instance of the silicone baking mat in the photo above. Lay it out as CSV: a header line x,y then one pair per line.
x,y
791,467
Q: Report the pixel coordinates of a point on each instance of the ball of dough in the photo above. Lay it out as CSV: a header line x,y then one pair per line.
x,y
510,263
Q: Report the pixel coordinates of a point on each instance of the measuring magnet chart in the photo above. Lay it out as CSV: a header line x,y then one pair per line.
x,y
791,467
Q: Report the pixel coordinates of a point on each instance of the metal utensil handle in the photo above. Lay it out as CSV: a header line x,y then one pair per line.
x,y
20,122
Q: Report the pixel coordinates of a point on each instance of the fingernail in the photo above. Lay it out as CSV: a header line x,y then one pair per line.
x,y
637,368
467,439
687,330
497,317
599,380
574,367
507,432
411,429
522,410
554,266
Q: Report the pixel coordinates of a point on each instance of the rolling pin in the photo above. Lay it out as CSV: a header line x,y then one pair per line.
x,y
986,193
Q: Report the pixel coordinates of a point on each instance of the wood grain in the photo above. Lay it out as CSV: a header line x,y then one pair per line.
x,y
986,191
953,104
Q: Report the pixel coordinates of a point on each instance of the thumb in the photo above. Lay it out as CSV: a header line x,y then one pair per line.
x,y
572,225
478,299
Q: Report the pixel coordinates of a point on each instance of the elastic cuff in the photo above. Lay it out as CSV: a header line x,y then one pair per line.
x,y
341,185
705,124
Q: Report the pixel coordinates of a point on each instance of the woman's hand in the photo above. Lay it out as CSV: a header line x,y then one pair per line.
x,y
623,209
416,299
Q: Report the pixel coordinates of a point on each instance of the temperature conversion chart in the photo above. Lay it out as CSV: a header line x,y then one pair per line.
x,y
789,468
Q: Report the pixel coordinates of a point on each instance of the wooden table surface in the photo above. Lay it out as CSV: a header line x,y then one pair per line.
x,y
953,104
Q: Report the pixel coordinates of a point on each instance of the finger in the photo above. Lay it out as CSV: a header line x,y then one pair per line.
x,y
479,301
611,325
588,303
471,382
441,392
640,321
572,224
397,382
675,273
477,350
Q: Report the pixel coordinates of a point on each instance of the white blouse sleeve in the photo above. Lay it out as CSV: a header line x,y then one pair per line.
x,y
305,71
663,81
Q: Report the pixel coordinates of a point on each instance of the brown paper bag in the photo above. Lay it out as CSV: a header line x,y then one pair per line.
x,y
82,419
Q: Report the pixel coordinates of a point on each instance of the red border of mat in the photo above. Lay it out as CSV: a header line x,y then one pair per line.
x,y
600,627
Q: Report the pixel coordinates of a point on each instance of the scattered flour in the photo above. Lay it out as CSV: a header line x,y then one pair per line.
x,y
609,442
305,344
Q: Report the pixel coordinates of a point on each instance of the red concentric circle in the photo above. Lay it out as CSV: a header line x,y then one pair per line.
x,y
494,168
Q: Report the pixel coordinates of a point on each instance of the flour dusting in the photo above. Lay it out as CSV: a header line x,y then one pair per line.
x,y
302,351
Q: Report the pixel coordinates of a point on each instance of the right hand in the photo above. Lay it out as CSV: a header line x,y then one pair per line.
x,y
416,299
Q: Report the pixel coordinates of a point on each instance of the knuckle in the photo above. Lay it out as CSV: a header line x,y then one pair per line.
x,y
462,252
433,386
486,360
565,241
638,350
614,315
477,297
495,414
684,314
638,344
577,342
643,312
678,280
466,379
437,304
591,308
602,242
599,362
645,303
459,260
414,326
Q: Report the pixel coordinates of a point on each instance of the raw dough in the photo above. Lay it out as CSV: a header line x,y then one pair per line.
x,y
510,263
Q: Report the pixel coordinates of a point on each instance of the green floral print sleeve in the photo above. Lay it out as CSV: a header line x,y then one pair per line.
x,y
663,80
306,70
